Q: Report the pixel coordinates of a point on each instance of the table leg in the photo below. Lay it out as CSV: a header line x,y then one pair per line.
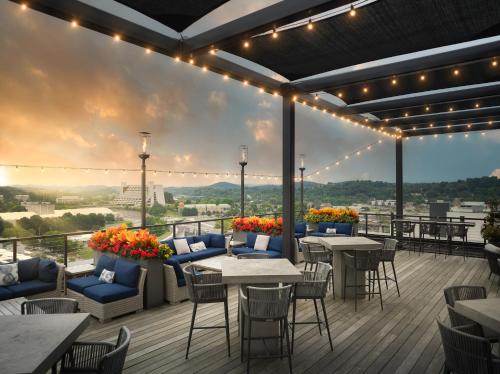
x,y
338,276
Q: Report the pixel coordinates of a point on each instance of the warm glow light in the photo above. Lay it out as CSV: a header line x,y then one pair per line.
x,y
204,68
212,51
310,25
369,147
394,81
456,72
245,83
316,97
421,138
469,126
340,94
337,163
431,125
261,90
414,127
380,142
24,7
448,126
294,98
476,105
226,77
148,51
191,61
494,63
346,157
74,23
246,44
466,135
275,93
483,133
365,89
450,109
275,34
358,153
427,108
490,122
435,135
450,136
177,58
352,12
406,114
422,77
117,38
314,107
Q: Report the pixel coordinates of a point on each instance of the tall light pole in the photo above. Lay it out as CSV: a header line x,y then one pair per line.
x,y
243,163
302,169
144,155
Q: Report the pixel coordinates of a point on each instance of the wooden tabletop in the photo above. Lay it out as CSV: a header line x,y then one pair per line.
x,y
274,270
350,243
33,343
214,263
486,312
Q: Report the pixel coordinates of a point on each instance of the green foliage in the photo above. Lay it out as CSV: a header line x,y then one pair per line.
x,y
189,212
157,210
4,225
491,228
169,198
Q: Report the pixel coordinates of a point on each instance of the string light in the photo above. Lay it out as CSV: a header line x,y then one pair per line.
x,y
212,51
191,61
117,38
427,108
24,6
352,12
476,105
406,114
148,51
340,94
310,25
494,63
316,97
450,109
74,23
245,82
246,44
456,72
422,77
275,34
204,68
365,89
177,58
394,81
226,77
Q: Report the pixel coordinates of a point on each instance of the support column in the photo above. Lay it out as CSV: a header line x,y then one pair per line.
x,y
399,184
288,177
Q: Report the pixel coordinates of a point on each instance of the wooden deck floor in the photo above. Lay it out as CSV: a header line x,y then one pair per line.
x,y
401,339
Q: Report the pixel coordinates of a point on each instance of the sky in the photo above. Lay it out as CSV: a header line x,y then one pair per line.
x,y
72,97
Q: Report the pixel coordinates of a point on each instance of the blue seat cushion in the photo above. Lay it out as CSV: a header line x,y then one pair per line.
x,y
319,234
202,238
79,284
127,273
344,228
175,261
275,244
5,293
28,269
31,287
299,235
300,228
251,238
206,253
108,292
47,271
105,262
274,254
217,241
241,250
322,226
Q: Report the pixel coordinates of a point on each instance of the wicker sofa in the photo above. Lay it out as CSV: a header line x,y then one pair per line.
x,y
38,278
108,300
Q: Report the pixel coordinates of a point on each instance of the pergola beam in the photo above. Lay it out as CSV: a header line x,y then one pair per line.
x,y
484,126
444,116
454,122
436,57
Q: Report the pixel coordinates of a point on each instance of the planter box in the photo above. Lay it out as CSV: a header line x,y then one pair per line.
x,y
154,287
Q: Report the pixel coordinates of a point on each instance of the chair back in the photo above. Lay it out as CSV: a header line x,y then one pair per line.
x,y
314,253
389,251
465,353
253,256
457,293
493,261
315,283
456,230
112,362
56,305
363,260
456,319
428,228
268,304
204,287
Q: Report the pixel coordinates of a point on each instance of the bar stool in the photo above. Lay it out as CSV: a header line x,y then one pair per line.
x,y
388,254
460,231
428,228
314,254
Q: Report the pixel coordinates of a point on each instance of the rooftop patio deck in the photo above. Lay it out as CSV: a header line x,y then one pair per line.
x,y
401,339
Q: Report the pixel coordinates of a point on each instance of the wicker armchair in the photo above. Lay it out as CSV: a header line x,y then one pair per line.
x,y
252,256
457,293
459,231
314,254
466,351
49,306
429,229
388,254
206,288
97,357
313,287
406,227
269,305
494,265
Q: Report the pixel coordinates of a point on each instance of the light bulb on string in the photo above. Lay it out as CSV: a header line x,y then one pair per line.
x,y
352,11
275,34
310,24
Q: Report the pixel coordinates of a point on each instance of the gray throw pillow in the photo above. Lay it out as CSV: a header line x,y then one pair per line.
x,y
107,276
8,274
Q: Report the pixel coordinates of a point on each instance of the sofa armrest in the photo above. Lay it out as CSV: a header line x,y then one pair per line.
x,y
142,280
61,272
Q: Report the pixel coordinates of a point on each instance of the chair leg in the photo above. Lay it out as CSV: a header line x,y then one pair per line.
x,y
317,316
226,315
345,280
355,290
326,323
380,290
281,339
333,286
293,321
249,344
242,336
385,275
369,285
288,347
395,277
193,316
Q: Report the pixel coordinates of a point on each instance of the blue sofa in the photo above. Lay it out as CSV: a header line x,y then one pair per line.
x,y
345,229
175,283
38,278
274,247
300,230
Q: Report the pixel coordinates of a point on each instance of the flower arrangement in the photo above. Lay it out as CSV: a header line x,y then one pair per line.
x,y
341,215
269,226
123,242
491,228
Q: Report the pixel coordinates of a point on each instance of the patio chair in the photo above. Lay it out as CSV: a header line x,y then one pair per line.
x,y
466,351
206,288
252,256
265,305
388,254
494,265
313,287
406,227
314,254
430,229
97,357
457,231
363,261
54,305
457,293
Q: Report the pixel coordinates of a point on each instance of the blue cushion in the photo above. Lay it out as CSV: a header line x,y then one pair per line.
x,y
206,253
127,273
241,250
319,234
299,235
31,287
300,228
202,238
275,244
108,292
344,228
47,271
5,293
322,226
105,262
217,241
79,284
28,269
274,254
181,282
251,238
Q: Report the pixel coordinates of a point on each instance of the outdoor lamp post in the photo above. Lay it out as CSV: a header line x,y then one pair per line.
x,y
144,155
243,163
301,168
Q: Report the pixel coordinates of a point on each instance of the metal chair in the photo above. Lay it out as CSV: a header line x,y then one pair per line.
x,y
97,357
466,351
494,265
253,256
313,287
54,305
265,305
314,254
460,231
363,261
388,254
406,227
457,293
430,229
206,288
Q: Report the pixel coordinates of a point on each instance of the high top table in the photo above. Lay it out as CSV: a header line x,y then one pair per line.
x,y
486,312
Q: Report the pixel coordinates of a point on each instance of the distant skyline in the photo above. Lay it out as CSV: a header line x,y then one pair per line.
x,y
73,97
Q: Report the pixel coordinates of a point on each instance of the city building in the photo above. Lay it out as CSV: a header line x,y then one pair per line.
x,y
130,195
68,199
22,197
39,208
206,209
470,207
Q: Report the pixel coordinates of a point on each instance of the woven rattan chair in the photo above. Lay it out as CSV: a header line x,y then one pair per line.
x,y
408,228
206,288
252,256
388,254
494,265
313,287
314,254
54,305
458,231
457,293
363,261
429,229
265,305
97,357
466,351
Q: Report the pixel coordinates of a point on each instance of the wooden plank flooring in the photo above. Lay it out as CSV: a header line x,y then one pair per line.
x,y
403,338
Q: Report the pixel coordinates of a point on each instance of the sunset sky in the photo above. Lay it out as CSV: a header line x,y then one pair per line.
x,y
73,97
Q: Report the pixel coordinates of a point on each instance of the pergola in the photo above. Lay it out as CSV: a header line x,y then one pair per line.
x,y
402,68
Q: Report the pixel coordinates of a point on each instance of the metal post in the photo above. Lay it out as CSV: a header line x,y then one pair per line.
x,y
199,228
14,250
66,250
222,226
302,193
143,157
242,190
366,224
399,185
288,176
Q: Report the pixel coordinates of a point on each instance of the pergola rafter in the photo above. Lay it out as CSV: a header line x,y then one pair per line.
x,y
463,128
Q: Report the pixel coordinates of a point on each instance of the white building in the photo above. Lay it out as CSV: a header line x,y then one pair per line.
x,y
470,207
68,199
130,195
22,197
39,208
206,209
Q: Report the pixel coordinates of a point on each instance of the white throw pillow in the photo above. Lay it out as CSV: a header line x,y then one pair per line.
x,y
107,276
261,242
181,246
331,230
9,274
198,246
